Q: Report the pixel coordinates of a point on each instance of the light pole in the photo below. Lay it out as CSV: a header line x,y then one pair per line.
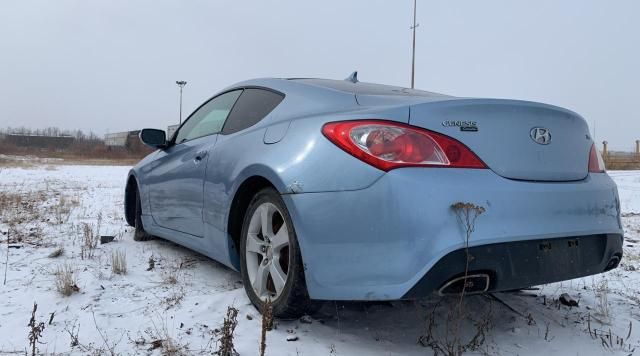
x,y
413,48
181,84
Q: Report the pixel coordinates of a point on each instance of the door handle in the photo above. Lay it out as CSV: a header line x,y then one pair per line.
x,y
199,156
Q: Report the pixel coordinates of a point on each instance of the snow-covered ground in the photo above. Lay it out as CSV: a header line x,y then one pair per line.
x,y
181,302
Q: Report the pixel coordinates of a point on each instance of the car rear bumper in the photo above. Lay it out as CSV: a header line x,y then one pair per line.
x,y
382,242
515,265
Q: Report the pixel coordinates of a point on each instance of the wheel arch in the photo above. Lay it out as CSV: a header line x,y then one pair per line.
x,y
130,199
241,199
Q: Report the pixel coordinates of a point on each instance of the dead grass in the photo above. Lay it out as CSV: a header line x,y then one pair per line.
x,y
174,299
63,207
57,252
15,163
601,291
98,162
161,339
610,340
89,241
171,277
444,335
118,262
172,273
50,163
27,213
10,205
622,166
66,283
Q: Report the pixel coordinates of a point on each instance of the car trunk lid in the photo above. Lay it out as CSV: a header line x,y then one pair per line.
x,y
516,139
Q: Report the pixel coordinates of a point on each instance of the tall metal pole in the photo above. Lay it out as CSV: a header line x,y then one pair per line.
x,y
413,49
181,84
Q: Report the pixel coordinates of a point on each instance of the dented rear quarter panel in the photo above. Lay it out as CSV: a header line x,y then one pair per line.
x,y
376,243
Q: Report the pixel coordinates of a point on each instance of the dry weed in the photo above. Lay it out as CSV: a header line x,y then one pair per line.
x,y
450,343
267,324
226,347
161,338
57,252
89,242
73,329
118,262
445,339
175,298
66,283
610,340
35,330
601,291
172,274
9,203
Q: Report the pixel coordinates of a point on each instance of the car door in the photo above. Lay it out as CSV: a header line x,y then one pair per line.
x,y
236,143
176,180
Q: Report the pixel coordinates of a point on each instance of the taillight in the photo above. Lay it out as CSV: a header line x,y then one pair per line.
x,y
387,145
596,163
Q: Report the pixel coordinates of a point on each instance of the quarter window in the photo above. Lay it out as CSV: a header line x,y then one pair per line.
x,y
252,106
208,119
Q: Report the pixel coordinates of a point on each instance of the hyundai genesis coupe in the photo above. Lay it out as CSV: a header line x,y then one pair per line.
x,y
318,189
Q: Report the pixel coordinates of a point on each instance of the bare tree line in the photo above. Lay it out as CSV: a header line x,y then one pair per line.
x,y
60,143
52,132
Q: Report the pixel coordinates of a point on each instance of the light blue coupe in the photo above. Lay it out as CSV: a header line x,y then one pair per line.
x,y
320,189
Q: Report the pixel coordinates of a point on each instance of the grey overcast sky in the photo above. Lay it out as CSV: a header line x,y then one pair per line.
x,y
111,65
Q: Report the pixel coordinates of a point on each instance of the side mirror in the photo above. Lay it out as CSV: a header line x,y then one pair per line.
x,y
153,138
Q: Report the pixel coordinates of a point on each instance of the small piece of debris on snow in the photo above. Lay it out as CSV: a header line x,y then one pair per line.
x,y
106,239
292,338
249,317
567,300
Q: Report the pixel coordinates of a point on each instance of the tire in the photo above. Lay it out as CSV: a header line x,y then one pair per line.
x,y
273,254
139,234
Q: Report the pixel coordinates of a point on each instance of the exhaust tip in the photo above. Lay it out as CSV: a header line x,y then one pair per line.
x,y
473,283
613,263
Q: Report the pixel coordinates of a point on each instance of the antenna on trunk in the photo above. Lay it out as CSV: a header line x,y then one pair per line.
x,y
353,78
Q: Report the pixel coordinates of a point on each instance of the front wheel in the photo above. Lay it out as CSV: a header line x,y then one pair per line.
x,y
139,233
271,263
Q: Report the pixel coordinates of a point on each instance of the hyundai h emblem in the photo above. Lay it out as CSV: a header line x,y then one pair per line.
x,y
540,135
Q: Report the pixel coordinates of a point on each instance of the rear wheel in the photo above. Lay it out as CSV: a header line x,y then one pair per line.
x,y
139,233
271,263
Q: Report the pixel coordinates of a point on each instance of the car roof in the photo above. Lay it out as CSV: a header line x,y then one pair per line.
x,y
340,87
363,88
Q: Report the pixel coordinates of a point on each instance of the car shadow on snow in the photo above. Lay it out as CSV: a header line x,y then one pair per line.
x,y
522,322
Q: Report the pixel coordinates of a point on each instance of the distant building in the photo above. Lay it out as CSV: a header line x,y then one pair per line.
x,y
118,139
40,141
171,129
126,139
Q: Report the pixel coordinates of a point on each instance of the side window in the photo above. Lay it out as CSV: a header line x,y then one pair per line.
x,y
252,106
209,119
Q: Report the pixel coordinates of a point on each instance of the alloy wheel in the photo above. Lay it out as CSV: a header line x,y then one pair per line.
x,y
267,252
